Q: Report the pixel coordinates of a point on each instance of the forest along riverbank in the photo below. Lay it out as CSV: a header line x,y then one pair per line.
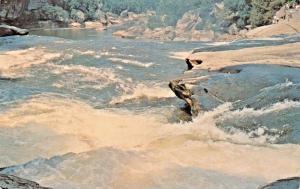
x,y
97,111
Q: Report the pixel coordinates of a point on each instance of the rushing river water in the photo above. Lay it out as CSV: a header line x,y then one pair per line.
x,y
100,115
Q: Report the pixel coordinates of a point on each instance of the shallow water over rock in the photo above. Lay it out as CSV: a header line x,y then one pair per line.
x,y
262,97
92,110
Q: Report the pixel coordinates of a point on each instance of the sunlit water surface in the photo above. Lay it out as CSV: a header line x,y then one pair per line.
x,y
101,115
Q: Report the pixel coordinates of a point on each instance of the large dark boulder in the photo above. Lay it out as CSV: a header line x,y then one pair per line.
x,y
13,182
6,30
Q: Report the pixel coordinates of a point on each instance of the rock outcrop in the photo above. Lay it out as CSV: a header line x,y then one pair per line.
x,y
188,25
214,78
165,34
187,28
6,30
28,12
13,182
52,13
183,92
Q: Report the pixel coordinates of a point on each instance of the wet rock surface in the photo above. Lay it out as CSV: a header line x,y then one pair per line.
x,y
269,92
244,85
6,30
182,92
289,183
13,182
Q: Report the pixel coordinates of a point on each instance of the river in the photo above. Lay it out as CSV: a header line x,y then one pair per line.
x,y
99,114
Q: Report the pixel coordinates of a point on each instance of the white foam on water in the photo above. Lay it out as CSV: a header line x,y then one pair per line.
x,y
101,77
287,104
279,86
259,134
143,91
102,53
270,39
131,62
50,119
203,144
15,63
84,52
179,55
119,149
219,43
112,168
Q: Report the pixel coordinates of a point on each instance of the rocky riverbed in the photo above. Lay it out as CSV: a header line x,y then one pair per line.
x,y
85,98
81,107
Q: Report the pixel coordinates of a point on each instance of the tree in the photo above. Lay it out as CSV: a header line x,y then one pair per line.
x,y
263,11
238,12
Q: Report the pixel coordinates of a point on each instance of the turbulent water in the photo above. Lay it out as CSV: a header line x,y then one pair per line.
x,y
84,109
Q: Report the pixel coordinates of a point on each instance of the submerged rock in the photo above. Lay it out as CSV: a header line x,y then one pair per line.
x,y
6,30
289,183
13,182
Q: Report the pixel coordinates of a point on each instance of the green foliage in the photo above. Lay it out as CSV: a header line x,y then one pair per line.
x,y
77,15
89,7
138,6
254,12
263,11
155,22
237,12
115,6
170,11
55,13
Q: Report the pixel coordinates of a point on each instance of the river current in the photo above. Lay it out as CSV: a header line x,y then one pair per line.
x,y
84,109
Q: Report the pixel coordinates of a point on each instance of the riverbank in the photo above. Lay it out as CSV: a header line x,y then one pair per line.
x,y
139,25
